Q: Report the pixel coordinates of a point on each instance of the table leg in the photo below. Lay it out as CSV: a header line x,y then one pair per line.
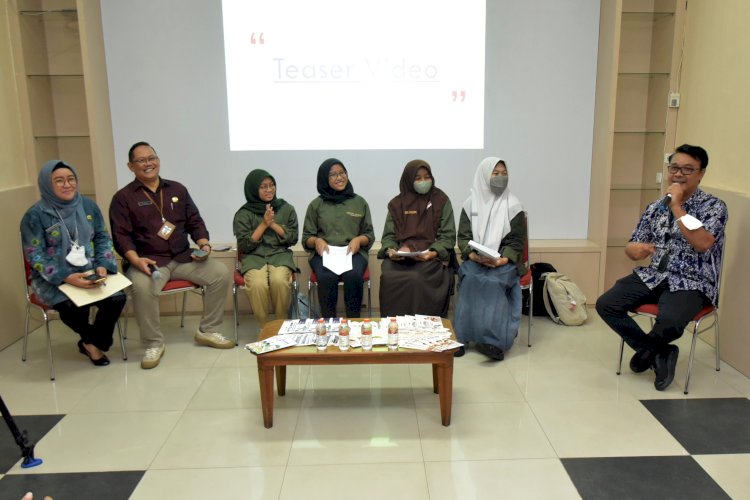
x,y
435,381
281,379
445,380
265,378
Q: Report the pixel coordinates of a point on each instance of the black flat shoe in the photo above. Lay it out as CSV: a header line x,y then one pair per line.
x,y
461,351
665,364
641,361
103,361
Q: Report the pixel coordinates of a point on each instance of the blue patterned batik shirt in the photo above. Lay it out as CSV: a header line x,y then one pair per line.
x,y
683,266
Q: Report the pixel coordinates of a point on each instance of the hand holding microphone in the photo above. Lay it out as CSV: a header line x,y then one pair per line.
x,y
674,190
155,274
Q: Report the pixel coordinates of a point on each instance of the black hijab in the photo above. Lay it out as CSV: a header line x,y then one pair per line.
x,y
324,188
252,185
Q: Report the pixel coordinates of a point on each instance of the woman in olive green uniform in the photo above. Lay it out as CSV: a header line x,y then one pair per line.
x,y
338,217
266,227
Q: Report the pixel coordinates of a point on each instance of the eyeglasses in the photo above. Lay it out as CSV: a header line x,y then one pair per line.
x,y
267,187
60,181
343,175
143,161
687,171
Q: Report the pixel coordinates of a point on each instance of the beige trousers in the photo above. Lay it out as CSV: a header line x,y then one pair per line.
x,y
266,286
212,274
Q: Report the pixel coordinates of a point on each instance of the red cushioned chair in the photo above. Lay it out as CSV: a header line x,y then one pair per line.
x,y
176,286
33,302
651,310
366,277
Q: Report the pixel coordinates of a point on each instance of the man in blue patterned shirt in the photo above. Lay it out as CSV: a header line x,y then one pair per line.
x,y
683,234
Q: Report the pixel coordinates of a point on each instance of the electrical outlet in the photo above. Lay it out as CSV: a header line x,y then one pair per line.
x,y
666,157
674,99
658,177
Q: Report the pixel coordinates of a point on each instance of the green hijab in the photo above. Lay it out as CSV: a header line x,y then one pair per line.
x,y
252,184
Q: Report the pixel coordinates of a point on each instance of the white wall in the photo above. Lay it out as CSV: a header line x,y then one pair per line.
x,y
167,86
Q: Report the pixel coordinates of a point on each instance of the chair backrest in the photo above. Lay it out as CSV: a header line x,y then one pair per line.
x,y
30,295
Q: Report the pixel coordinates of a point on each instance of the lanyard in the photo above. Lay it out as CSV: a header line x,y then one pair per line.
x,y
160,208
75,241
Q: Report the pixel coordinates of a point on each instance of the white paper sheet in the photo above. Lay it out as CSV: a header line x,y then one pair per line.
x,y
337,259
83,296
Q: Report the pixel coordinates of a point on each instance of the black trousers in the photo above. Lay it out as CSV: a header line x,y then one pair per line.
x,y
328,286
100,333
676,310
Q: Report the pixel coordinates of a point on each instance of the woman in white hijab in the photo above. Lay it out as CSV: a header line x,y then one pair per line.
x,y
488,311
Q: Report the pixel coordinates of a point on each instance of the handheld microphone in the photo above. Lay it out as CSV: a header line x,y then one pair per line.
x,y
155,274
666,200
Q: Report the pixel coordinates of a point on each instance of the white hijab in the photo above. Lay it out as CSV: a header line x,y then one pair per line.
x,y
490,214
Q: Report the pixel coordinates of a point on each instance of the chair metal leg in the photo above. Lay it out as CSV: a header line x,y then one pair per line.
x,y
49,349
26,334
122,342
716,338
531,314
369,297
236,315
692,355
182,315
622,348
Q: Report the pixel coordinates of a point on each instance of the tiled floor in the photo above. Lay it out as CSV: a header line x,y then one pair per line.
x,y
553,421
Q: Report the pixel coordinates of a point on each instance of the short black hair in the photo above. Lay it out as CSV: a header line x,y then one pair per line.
x,y
137,145
696,152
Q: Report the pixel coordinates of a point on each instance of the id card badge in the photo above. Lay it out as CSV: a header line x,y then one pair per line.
x,y
166,230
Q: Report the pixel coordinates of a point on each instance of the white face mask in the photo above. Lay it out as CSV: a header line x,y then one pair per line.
x,y
77,255
422,187
498,183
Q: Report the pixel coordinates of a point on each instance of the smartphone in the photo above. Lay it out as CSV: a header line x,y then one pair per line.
x,y
95,278
199,253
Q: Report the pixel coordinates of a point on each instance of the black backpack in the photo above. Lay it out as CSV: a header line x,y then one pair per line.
x,y
537,269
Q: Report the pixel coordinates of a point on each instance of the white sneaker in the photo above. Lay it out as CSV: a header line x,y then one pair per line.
x,y
151,357
213,339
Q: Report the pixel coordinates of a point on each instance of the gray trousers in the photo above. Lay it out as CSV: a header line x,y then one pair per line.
x,y
211,274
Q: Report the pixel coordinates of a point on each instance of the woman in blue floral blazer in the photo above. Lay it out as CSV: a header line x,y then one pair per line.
x,y
65,241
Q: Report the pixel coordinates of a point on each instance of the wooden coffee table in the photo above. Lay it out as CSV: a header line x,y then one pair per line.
x,y
442,367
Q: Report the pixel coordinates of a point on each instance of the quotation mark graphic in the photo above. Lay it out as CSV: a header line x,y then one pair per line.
x,y
456,94
259,40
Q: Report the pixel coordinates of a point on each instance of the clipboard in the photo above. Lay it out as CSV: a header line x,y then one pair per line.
x,y
85,296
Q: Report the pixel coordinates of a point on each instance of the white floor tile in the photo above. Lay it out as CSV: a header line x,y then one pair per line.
x,y
368,434
227,438
363,482
256,483
492,479
103,442
483,431
605,428
729,472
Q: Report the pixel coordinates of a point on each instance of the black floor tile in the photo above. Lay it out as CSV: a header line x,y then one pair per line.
x,y
705,426
639,478
72,486
36,425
